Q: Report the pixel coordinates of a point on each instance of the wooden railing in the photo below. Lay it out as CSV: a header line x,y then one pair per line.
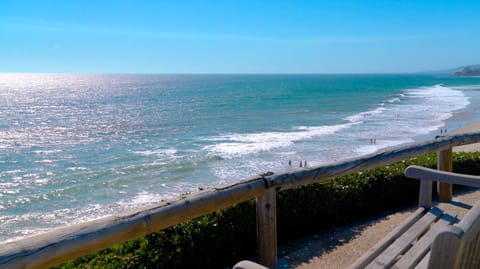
x,y
73,241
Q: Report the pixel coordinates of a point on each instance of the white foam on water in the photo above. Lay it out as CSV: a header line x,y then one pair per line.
x,y
380,144
21,225
77,168
286,153
360,117
46,152
242,144
18,226
395,121
467,88
160,152
141,199
394,100
419,112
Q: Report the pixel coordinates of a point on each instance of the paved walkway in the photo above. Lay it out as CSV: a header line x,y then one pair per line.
x,y
341,247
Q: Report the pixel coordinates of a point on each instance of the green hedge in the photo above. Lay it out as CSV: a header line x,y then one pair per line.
x,y
220,239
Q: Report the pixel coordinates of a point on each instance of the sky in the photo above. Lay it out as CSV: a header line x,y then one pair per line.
x,y
229,36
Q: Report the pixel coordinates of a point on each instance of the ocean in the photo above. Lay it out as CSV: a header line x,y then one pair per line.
x,y
79,147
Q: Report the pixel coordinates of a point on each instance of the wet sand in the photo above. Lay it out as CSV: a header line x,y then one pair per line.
x,y
472,127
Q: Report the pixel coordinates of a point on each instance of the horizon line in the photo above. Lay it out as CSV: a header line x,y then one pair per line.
x,y
232,73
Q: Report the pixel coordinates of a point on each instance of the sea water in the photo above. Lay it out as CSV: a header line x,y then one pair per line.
x,y
79,147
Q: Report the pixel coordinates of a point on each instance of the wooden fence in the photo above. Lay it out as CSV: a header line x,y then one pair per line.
x,y
73,241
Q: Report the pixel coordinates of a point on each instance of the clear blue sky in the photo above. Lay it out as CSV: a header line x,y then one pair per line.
x,y
223,36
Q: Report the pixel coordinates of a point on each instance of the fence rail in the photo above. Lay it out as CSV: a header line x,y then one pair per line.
x,y
74,241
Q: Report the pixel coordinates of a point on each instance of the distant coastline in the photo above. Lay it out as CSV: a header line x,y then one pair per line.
x,y
468,71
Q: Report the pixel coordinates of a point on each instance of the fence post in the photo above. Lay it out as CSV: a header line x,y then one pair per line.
x,y
267,228
444,163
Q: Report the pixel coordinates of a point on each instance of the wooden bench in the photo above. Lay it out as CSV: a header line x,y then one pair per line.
x,y
430,237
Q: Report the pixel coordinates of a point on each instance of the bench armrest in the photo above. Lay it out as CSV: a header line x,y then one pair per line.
x,y
423,173
248,265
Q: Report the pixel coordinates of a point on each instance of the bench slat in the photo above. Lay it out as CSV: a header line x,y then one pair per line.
x,y
388,257
423,264
421,248
373,252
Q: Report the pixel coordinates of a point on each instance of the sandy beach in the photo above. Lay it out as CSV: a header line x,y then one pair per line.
x,y
472,127
341,247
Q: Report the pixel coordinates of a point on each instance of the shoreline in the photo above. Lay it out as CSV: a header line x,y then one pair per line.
x,y
459,120
470,128
467,121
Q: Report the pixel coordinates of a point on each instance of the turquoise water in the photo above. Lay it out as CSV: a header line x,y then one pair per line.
x,y
79,147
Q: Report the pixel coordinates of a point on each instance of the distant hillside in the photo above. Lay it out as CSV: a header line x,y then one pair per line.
x,y
464,71
468,71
